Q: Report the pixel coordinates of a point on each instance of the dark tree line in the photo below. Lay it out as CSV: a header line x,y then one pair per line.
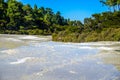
x,y
103,20
24,19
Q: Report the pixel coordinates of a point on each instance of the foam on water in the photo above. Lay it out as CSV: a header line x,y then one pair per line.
x,y
29,37
72,72
10,51
23,60
13,39
99,43
78,46
105,48
32,38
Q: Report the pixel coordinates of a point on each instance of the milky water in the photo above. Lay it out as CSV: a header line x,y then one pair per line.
x,y
28,57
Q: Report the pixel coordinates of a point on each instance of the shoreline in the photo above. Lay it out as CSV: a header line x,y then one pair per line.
x,y
50,36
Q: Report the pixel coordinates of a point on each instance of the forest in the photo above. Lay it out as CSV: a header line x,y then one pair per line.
x,y
17,18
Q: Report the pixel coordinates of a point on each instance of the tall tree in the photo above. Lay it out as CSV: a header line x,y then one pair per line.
x,y
48,16
14,12
28,16
3,17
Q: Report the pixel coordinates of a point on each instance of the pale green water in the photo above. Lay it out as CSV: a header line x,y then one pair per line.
x,y
38,58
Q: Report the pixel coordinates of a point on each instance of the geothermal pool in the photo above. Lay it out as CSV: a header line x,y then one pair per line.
x,y
29,57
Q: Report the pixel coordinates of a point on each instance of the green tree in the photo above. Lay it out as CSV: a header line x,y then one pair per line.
x,y
14,12
28,16
118,3
111,4
3,17
48,16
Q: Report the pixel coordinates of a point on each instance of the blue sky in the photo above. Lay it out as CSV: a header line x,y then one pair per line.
x,y
73,9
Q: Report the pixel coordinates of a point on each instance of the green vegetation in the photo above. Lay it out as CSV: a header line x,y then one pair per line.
x,y
107,34
17,18
112,4
99,27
